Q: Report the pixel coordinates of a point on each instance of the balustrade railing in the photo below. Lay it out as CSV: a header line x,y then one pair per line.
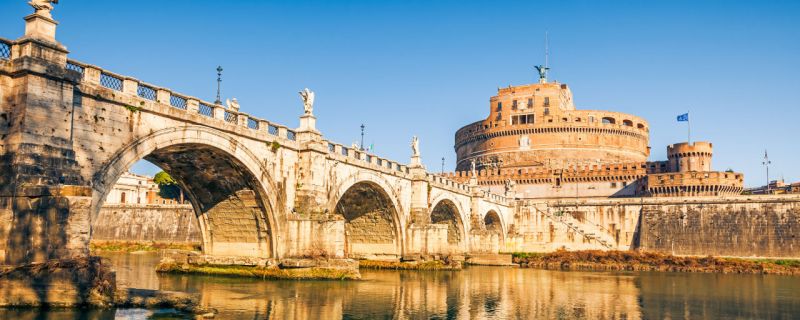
x,y
291,135
110,81
272,129
231,117
331,147
177,101
146,92
205,110
5,50
75,67
252,123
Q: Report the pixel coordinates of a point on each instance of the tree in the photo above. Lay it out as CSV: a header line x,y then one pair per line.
x,y
163,179
167,186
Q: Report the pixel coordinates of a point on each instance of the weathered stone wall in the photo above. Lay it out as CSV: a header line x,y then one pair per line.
x,y
741,229
159,223
744,226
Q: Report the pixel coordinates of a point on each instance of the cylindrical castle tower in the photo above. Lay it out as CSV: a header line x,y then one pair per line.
x,y
537,125
689,157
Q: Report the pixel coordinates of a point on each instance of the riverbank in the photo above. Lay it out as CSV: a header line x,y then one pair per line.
x,y
410,265
84,283
133,246
268,272
595,260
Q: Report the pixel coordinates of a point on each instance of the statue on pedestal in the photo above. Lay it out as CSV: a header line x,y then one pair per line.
x,y
43,7
308,101
415,146
233,104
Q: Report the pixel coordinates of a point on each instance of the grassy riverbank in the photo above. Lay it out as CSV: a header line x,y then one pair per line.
x,y
415,265
274,273
133,246
645,261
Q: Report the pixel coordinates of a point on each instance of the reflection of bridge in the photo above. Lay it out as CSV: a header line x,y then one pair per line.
x,y
68,130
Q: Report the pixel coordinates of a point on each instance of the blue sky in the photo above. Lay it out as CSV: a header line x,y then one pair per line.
x,y
427,68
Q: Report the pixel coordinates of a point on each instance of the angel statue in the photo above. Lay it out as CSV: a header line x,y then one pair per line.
x,y
474,171
510,184
43,7
308,101
542,72
415,146
232,104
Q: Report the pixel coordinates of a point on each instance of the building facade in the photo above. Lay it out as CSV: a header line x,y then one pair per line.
x,y
536,144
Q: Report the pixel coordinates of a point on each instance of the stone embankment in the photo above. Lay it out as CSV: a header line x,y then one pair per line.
x,y
89,283
596,260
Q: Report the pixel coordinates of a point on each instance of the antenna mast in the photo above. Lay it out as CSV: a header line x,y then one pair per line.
x,y
546,51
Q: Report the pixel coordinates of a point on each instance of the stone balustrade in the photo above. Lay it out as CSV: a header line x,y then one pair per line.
x,y
148,93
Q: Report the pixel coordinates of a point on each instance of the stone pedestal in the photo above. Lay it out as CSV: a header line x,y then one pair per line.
x,y
308,122
39,27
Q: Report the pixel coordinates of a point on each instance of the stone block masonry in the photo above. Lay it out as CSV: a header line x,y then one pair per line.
x,y
746,229
157,223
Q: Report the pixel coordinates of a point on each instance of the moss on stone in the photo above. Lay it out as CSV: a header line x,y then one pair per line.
x,y
133,246
273,273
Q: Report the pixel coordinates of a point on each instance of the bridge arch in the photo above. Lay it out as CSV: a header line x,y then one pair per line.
x,y
232,193
448,211
372,213
494,222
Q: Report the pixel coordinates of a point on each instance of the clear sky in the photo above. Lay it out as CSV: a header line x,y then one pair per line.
x,y
427,68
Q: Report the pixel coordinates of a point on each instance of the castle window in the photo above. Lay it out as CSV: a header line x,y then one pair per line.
x,y
627,123
640,126
564,119
546,111
499,106
591,118
546,102
609,120
530,102
514,105
122,198
613,184
499,116
577,119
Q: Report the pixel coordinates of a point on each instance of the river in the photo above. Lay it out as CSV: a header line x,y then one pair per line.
x,y
473,293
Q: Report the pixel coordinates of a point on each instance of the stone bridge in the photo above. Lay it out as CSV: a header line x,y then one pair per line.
x,y
68,130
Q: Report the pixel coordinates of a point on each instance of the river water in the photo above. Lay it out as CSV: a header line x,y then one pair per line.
x,y
473,293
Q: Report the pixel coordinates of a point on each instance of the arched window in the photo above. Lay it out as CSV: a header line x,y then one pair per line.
x,y
640,126
609,120
122,198
627,123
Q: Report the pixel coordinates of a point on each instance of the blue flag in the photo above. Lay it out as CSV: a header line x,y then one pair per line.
x,y
683,117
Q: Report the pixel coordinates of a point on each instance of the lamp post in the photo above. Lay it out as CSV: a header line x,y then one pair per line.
x,y
766,164
362,137
219,84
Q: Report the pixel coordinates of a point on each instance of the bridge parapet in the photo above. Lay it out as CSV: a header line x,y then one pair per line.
x,y
143,94
342,153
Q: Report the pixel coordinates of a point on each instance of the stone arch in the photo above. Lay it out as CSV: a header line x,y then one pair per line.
x,y
448,211
369,206
494,222
609,120
232,193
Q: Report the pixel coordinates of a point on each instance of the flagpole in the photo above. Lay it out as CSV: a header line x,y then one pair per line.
x,y
689,127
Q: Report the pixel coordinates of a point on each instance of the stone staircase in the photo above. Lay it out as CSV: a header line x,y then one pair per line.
x,y
590,231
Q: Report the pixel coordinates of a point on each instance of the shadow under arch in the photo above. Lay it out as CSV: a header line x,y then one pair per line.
x,y
373,228
494,223
447,212
224,181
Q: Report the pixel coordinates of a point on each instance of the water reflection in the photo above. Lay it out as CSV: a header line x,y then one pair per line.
x,y
480,293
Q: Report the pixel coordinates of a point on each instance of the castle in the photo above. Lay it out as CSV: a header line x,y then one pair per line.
x,y
536,144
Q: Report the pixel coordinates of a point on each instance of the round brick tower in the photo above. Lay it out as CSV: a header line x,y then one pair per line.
x,y
686,157
537,125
